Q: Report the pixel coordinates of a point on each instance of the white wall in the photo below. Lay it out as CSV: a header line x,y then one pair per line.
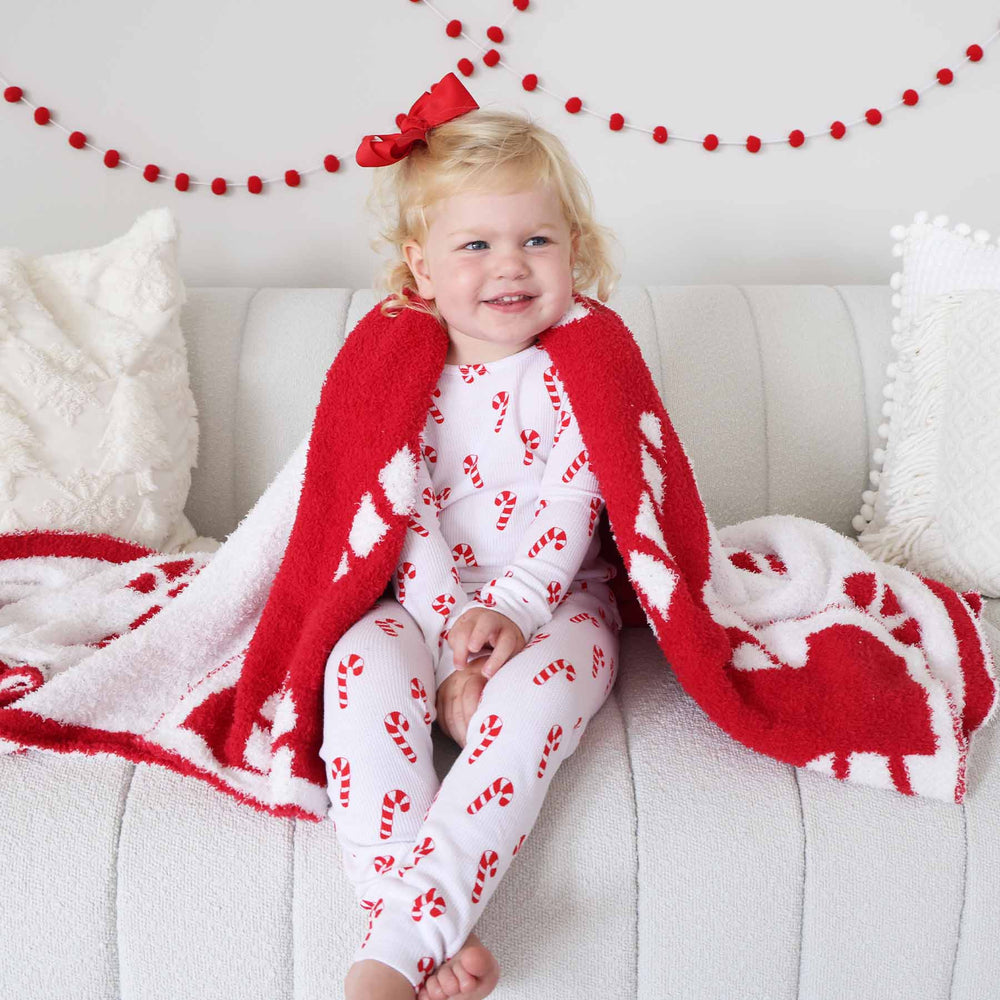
x,y
218,87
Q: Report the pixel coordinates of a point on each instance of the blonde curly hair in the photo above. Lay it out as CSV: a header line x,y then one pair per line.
x,y
482,150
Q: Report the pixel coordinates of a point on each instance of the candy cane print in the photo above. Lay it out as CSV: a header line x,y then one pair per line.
x,y
419,694
531,440
431,898
575,466
340,767
506,501
488,865
442,604
553,668
406,571
383,863
537,638
595,513
549,378
499,402
429,453
564,422
394,722
551,746
554,535
598,659
502,785
584,616
412,522
426,814
374,910
426,967
517,846
542,504
443,495
469,372
390,626
350,664
433,410
463,551
554,590
420,852
470,466
392,799
489,730
611,678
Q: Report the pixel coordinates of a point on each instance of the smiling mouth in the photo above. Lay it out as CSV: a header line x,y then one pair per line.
x,y
502,301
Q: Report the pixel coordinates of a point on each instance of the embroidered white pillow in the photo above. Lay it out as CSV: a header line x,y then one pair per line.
x,y
98,426
936,507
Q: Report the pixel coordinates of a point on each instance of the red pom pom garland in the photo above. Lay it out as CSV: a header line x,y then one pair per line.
x,y
495,33
617,123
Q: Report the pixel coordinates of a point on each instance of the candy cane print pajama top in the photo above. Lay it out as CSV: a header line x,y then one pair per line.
x,y
506,518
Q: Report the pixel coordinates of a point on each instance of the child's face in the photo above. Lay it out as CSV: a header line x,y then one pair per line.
x,y
480,246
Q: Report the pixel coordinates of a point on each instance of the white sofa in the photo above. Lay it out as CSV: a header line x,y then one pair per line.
x,y
668,861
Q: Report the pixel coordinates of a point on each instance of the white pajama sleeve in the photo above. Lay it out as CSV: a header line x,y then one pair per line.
x,y
551,551
426,582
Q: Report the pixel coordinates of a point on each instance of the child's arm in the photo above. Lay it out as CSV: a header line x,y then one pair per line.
x,y
530,587
426,582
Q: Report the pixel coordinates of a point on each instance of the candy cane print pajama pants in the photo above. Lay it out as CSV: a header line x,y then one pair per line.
x,y
425,857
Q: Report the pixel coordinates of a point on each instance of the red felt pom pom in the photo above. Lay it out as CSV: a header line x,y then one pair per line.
x,y
182,181
974,52
837,130
254,184
616,122
331,163
521,4
494,33
151,171
465,67
491,57
42,115
573,105
945,75
454,28
530,81
796,137
77,140
219,185
753,143
910,97
111,158
660,133
710,141
13,94
292,178
873,116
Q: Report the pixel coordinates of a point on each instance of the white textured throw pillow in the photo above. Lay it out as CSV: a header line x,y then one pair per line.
x,y
936,507
98,426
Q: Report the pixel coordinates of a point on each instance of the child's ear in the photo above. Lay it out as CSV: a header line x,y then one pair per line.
x,y
417,264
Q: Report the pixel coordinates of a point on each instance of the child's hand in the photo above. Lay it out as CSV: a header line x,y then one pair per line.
x,y
457,701
479,625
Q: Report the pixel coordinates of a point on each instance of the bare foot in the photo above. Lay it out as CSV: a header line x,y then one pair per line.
x,y
471,975
370,979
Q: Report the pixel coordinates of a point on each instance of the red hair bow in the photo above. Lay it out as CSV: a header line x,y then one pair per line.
x,y
445,100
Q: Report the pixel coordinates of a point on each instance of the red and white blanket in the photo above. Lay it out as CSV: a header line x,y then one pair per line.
x,y
786,633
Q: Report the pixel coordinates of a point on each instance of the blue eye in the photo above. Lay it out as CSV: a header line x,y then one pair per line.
x,y
530,238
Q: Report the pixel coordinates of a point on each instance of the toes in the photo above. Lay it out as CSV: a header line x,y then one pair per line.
x,y
448,980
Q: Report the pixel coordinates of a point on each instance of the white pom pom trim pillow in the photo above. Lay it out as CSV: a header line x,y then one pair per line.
x,y
936,505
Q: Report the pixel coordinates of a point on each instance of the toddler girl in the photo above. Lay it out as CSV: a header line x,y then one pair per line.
x,y
501,634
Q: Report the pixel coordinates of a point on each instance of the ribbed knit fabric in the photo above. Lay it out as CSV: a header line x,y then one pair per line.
x,y
509,505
